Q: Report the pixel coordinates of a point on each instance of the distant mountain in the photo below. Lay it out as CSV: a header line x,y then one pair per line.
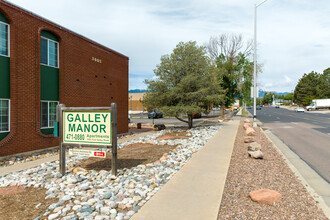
x,y
262,93
137,91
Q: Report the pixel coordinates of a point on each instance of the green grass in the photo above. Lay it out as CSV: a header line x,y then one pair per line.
x,y
244,112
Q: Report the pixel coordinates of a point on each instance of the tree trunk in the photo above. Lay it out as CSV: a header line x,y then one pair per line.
x,y
190,121
222,111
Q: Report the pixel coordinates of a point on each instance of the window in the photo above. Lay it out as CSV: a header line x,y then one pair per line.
x,y
4,115
4,39
48,113
48,52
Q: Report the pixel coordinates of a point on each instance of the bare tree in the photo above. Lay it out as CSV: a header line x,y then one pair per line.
x,y
229,46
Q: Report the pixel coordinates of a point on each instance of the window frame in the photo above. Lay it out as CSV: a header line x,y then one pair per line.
x,y
1,99
57,54
48,103
8,41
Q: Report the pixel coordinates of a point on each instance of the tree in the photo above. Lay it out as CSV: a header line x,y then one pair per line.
x,y
268,98
324,85
288,96
307,88
234,68
186,83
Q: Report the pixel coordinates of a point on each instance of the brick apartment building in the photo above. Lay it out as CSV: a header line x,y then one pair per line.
x,y
43,64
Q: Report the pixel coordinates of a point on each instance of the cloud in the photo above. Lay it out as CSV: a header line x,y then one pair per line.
x,y
287,79
293,36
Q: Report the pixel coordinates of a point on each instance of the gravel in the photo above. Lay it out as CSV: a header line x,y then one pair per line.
x,y
95,194
246,174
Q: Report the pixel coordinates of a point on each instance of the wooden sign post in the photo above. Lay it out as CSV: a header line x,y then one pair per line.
x,y
87,126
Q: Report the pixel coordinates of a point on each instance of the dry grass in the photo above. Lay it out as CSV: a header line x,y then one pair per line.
x,y
129,156
22,205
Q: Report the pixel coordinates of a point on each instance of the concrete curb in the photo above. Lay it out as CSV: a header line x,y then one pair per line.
x,y
319,191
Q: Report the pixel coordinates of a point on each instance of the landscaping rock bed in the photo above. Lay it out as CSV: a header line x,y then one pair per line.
x,y
96,194
246,174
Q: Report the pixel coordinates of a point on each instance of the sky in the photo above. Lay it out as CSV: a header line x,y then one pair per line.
x,y
293,36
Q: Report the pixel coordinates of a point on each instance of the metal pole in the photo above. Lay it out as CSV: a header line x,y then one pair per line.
x,y
60,132
255,63
114,139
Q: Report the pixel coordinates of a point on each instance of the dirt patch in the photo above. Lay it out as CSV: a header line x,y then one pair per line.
x,y
128,157
246,174
22,205
174,135
211,121
135,130
10,190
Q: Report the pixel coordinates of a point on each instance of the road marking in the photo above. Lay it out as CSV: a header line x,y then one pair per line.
x,y
305,118
287,126
277,117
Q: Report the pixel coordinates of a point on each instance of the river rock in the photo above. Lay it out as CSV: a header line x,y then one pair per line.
x,y
79,170
53,216
265,196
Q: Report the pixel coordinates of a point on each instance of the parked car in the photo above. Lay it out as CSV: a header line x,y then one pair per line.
x,y
196,115
155,114
299,109
277,106
258,107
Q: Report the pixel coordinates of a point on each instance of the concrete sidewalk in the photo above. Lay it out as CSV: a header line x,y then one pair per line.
x,y
195,192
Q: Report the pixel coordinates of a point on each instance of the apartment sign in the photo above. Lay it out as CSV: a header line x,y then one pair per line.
x,y
87,127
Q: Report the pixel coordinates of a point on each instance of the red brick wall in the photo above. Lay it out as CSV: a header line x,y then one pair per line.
x,y
83,82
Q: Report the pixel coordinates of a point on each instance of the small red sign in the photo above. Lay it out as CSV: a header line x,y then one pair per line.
x,y
99,154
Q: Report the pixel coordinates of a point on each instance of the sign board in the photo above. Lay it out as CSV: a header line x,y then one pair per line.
x,y
87,153
252,92
87,127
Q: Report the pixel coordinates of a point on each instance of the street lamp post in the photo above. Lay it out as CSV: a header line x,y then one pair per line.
x,y
255,63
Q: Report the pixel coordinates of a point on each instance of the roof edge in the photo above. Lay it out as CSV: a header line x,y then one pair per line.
x,y
30,13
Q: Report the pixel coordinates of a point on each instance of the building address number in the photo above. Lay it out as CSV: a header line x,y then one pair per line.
x,y
97,60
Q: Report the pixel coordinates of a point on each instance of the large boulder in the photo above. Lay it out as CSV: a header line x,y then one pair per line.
x,y
249,139
254,146
265,196
250,131
256,154
246,125
159,127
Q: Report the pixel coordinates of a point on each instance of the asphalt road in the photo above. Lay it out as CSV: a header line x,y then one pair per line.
x,y
143,118
307,134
